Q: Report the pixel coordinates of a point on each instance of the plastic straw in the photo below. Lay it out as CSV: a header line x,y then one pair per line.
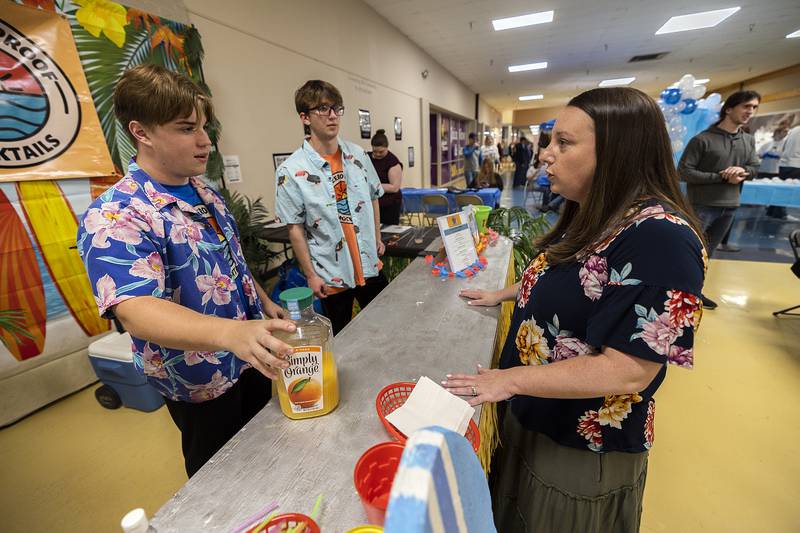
x,y
255,517
263,524
300,528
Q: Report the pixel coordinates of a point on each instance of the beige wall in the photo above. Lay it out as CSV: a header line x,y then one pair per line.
x,y
169,9
259,53
526,117
488,115
780,90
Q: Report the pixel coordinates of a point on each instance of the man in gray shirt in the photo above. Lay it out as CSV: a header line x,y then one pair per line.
x,y
715,163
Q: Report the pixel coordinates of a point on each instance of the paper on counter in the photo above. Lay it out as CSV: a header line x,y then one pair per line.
x,y
395,229
430,404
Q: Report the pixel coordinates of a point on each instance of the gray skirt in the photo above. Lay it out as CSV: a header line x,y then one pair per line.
x,y
540,486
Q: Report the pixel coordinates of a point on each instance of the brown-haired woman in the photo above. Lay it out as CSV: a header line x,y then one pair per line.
x,y
613,297
488,177
390,172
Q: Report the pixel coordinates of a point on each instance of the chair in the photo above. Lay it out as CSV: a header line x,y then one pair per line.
x,y
407,217
794,242
468,199
430,203
534,190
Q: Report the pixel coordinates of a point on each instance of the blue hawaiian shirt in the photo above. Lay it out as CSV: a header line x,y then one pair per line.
x,y
137,239
305,195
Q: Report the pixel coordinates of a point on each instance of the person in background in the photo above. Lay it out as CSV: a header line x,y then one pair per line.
x,y
489,151
488,176
502,149
472,154
713,165
789,165
521,156
610,302
390,172
770,154
162,253
336,243
540,178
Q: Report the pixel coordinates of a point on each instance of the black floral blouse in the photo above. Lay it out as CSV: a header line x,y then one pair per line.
x,y
638,292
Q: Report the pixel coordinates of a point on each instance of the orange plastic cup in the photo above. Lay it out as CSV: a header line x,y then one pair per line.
x,y
373,477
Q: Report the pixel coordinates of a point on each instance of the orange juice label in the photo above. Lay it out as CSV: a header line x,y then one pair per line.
x,y
303,379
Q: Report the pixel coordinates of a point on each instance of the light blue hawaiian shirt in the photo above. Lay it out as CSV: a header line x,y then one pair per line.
x,y
136,239
304,195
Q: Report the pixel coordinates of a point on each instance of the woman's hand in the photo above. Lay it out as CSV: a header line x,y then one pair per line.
x,y
488,385
481,297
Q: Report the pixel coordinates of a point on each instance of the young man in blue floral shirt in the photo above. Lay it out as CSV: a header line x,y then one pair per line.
x,y
327,193
162,253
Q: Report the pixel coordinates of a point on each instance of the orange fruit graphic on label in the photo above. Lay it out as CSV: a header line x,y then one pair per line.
x,y
305,392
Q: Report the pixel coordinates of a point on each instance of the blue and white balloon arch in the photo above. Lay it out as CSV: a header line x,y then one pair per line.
x,y
686,112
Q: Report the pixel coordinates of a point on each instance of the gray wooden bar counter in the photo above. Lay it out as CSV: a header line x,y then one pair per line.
x,y
417,326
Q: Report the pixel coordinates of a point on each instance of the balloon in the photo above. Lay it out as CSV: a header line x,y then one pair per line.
x,y
677,145
686,83
689,106
680,106
698,91
713,100
677,129
671,95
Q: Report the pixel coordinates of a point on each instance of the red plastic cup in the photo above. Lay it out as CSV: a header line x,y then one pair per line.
x,y
373,478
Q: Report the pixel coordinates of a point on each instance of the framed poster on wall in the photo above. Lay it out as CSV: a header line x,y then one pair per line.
x,y
278,159
410,156
364,124
398,129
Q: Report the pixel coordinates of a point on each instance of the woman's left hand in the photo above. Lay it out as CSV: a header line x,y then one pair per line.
x,y
488,385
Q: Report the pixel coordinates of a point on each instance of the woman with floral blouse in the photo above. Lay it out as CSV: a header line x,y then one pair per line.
x,y
613,298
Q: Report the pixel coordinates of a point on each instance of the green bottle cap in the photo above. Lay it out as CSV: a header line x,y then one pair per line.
x,y
301,297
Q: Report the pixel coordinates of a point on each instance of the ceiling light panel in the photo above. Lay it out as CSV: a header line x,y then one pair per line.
x,y
529,66
617,82
696,21
531,97
523,20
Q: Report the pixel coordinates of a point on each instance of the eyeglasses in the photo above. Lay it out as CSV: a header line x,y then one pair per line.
x,y
325,110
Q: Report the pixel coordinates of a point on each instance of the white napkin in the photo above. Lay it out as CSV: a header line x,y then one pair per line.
x,y
430,404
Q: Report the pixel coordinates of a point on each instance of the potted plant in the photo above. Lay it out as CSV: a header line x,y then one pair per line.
x,y
251,216
523,229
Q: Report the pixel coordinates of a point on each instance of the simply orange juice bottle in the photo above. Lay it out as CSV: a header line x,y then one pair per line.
x,y
310,386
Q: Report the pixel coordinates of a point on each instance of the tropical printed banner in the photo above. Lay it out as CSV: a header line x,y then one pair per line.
x,y
44,291
48,126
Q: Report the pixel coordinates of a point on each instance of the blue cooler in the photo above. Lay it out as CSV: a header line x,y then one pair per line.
x,y
112,360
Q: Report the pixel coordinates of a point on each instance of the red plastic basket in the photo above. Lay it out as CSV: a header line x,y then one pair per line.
x,y
292,520
393,396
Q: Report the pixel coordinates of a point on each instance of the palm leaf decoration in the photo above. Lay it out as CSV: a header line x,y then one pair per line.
x,y
523,229
13,322
104,63
251,216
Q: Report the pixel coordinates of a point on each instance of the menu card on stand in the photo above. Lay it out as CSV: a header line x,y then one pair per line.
x,y
458,241
469,212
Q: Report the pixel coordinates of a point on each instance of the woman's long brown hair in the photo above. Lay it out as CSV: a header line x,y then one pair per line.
x,y
634,163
